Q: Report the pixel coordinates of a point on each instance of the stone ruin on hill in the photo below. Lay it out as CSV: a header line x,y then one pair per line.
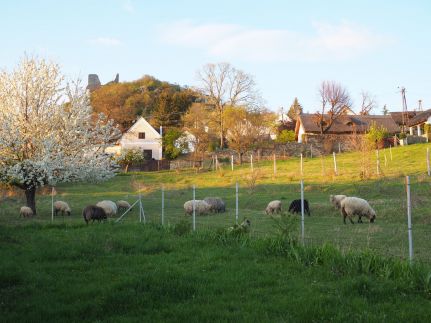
x,y
94,82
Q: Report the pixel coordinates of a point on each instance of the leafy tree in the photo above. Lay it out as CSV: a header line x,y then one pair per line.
x,y
129,157
295,110
171,149
47,131
285,136
161,103
111,100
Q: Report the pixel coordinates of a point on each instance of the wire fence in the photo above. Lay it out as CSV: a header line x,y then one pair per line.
x,y
388,236
377,176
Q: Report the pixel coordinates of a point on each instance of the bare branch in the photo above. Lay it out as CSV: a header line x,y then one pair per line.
x,y
334,99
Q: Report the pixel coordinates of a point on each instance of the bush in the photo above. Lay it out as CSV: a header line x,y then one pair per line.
x,y
171,149
376,134
285,136
129,157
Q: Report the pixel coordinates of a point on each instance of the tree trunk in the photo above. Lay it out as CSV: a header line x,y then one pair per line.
x,y
240,158
127,168
30,195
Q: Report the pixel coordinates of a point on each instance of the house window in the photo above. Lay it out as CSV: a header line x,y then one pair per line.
x,y
141,135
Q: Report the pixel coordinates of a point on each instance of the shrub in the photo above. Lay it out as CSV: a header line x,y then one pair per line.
x,y
376,134
172,148
129,157
285,136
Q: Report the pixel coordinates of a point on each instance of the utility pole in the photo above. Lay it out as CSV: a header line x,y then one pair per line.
x,y
405,113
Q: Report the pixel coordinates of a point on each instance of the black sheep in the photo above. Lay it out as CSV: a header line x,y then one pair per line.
x,y
93,212
295,207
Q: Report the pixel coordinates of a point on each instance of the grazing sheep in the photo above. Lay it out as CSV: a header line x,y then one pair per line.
x,y
201,207
244,227
63,207
295,207
217,205
109,207
351,206
273,207
123,206
336,200
93,212
26,212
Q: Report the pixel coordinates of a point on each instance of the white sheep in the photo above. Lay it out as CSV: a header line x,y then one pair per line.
x,y
273,207
109,207
351,206
336,200
63,207
122,205
201,207
26,212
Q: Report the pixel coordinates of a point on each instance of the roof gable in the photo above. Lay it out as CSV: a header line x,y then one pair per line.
x,y
141,122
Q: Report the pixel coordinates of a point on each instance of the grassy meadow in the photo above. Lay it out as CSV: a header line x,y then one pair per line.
x,y
129,271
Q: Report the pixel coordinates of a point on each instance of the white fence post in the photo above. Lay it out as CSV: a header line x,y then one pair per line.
x,y
163,205
194,208
428,162
275,166
231,162
409,219
236,204
251,162
302,212
339,148
216,163
335,164
302,166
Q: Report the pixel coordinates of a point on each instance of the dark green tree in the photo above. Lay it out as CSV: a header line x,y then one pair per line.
x,y
295,110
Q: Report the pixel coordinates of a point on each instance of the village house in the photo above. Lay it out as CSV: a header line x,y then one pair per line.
x,y
417,125
140,136
347,124
402,118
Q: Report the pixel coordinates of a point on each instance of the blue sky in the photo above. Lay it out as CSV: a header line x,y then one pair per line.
x,y
288,46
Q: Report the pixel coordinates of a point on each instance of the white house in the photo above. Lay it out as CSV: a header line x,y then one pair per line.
x,y
140,136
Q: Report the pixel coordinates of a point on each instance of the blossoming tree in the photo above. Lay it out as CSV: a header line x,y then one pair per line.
x,y
47,131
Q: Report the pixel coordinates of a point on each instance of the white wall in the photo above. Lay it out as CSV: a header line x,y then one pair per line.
x,y
153,140
300,133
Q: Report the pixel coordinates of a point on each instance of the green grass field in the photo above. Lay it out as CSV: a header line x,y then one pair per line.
x,y
134,272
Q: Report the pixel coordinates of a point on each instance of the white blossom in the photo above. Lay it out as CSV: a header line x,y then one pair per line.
x,y
48,133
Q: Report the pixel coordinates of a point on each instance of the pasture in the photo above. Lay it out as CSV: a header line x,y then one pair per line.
x,y
131,271
386,193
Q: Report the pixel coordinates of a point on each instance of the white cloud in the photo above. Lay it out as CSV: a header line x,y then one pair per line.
x,y
106,41
326,42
